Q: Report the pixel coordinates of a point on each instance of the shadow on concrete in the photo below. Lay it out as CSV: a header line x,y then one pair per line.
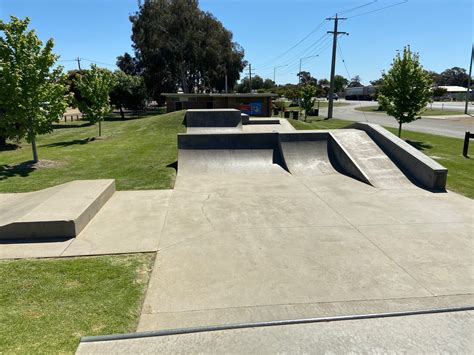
x,y
419,145
68,143
35,241
23,169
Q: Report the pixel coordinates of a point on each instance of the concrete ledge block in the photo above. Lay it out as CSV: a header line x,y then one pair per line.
x,y
58,212
414,163
213,118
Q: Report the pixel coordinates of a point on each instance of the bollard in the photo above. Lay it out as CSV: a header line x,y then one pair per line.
x,y
467,137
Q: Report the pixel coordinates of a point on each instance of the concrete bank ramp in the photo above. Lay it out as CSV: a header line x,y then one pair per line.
x,y
380,170
58,212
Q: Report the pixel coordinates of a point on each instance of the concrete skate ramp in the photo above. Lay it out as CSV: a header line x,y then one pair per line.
x,y
373,162
316,153
58,212
228,153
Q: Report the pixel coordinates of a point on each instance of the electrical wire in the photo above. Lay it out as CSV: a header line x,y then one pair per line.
x,y
349,75
380,9
357,7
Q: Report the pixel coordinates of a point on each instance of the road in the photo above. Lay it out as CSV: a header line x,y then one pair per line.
x,y
451,126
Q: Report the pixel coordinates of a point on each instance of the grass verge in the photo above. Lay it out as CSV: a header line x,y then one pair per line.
x,y
137,152
427,112
445,150
47,305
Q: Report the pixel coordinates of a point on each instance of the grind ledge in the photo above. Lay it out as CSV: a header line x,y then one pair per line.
x,y
57,212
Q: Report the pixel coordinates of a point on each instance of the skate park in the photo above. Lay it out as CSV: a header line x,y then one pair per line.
x,y
266,223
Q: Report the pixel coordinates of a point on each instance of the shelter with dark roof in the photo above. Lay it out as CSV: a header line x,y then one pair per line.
x,y
251,104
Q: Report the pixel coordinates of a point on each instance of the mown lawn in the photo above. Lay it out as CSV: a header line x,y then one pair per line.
x,y
137,152
445,150
427,112
47,305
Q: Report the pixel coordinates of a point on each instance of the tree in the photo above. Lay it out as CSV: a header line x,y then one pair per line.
x,y
308,92
406,88
439,92
94,86
268,84
177,44
355,82
128,64
376,82
454,77
32,94
340,83
129,92
306,78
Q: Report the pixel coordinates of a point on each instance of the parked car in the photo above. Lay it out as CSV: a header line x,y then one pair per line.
x,y
334,96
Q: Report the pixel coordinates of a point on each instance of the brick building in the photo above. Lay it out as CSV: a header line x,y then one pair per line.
x,y
251,104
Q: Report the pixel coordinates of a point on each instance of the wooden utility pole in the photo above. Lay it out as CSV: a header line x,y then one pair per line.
x,y
78,63
250,78
335,33
468,93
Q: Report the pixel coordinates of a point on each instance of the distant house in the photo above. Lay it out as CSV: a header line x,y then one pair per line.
x,y
251,104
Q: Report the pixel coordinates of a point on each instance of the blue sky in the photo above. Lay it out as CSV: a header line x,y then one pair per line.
x,y
440,30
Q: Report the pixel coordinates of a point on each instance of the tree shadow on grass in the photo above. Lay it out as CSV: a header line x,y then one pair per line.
x,y
9,146
419,145
61,126
22,169
133,115
68,143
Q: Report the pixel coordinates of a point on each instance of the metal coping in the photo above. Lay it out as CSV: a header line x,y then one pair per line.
x,y
213,328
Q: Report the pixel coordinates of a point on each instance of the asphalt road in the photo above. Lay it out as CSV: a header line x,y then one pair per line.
x,y
451,126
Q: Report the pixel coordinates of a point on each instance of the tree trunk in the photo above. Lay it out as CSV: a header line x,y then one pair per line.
x,y
100,128
399,129
121,113
35,151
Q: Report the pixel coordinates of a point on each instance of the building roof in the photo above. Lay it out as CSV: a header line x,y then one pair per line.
x,y
176,94
454,88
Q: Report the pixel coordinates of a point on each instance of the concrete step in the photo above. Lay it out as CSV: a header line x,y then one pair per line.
x,y
58,212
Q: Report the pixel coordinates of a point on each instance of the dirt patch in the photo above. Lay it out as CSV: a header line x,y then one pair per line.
x,y
47,164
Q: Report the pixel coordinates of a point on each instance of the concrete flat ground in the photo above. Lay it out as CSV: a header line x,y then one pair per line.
x,y
268,246
424,334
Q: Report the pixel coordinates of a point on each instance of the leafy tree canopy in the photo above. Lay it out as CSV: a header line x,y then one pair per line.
x,y
306,78
128,64
308,92
95,86
406,88
177,44
355,82
32,94
129,92
340,83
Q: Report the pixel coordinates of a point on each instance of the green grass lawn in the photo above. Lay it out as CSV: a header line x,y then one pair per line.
x,y
136,152
47,305
427,112
445,150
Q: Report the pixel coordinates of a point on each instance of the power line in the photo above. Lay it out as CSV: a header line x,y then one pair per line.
x,y
380,9
357,7
349,75
297,43
96,62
